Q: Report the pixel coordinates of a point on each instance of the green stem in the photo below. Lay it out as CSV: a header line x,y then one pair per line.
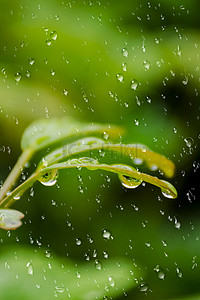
x,y
10,199
15,173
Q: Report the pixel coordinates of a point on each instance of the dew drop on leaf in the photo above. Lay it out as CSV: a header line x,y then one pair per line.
x,y
50,178
166,193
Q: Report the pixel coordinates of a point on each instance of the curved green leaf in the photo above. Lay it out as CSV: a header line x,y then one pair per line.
x,y
133,176
42,133
10,219
137,152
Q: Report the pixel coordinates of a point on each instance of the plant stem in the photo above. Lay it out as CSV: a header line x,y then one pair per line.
x,y
15,173
10,199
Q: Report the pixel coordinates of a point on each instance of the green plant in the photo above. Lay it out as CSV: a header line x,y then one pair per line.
x,y
44,133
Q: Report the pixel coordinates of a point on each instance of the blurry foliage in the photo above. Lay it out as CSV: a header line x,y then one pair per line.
x,y
161,110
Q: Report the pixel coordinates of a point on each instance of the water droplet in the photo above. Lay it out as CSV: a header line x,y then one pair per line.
x,y
78,241
17,77
105,135
57,17
105,254
65,92
167,193
189,142
129,182
107,235
60,289
49,178
160,273
48,42
48,253
31,61
111,281
29,268
137,122
179,273
120,77
146,65
52,72
28,74
134,84
124,67
17,197
54,35
98,265
125,52
78,274
143,287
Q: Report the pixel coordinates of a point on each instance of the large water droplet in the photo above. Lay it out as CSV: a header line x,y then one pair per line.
x,y
49,178
167,193
129,182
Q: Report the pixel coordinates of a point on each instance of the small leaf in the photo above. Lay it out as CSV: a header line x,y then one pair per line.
x,y
10,219
42,133
133,175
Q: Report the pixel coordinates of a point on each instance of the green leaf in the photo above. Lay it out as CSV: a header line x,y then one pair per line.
x,y
10,219
28,275
42,133
128,175
137,152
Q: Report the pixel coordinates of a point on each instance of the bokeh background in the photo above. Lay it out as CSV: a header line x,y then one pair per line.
x,y
130,63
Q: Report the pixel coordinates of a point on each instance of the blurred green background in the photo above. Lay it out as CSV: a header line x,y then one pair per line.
x,y
131,63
